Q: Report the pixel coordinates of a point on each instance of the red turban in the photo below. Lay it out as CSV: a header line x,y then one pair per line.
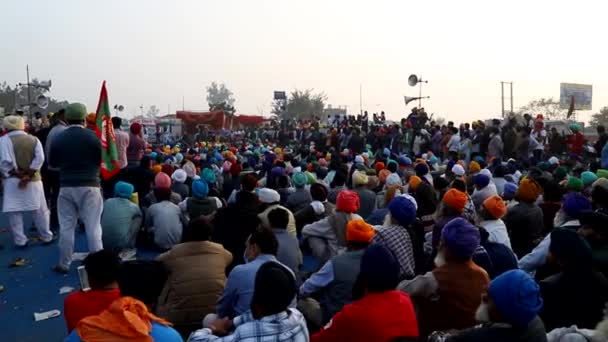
x,y
347,201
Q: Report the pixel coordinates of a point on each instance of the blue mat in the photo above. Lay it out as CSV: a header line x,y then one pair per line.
x,y
35,287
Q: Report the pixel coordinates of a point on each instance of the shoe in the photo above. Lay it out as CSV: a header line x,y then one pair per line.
x,y
60,269
53,239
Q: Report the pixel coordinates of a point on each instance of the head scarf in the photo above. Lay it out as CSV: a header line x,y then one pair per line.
x,y
359,178
383,175
75,112
458,170
516,296
359,231
393,179
528,190
481,180
460,237
402,210
588,178
455,199
299,179
575,204
209,176
162,181
268,196
123,190
414,182
574,184
13,123
347,201
179,176
495,206
474,167
127,319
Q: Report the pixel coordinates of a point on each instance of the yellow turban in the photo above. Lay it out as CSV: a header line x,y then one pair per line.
x,y
13,123
359,178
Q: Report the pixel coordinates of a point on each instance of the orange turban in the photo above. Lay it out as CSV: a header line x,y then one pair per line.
x,y
379,166
383,174
528,190
495,206
414,182
455,199
359,231
92,119
157,168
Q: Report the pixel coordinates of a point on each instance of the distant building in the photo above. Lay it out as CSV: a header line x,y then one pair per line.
x,y
330,113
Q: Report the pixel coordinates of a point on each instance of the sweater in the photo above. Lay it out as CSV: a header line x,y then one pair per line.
x,y
79,163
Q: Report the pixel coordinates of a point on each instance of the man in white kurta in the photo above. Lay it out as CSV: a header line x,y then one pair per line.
x,y
23,191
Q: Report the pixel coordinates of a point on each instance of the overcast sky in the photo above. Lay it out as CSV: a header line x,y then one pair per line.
x,y
157,52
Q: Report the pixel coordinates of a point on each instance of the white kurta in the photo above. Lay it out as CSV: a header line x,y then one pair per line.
x,y
15,199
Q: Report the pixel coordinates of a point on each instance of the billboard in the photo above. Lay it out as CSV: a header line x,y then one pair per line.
x,y
582,94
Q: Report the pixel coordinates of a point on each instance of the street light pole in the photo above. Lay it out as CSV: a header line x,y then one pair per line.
x,y
29,94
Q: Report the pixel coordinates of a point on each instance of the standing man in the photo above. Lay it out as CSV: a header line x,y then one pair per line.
x,y
21,157
77,154
59,125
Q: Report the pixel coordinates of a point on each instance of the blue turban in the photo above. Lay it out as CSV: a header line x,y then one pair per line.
x,y
123,190
433,160
208,175
379,269
218,156
153,155
386,152
200,189
450,165
479,159
404,161
460,237
179,157
277,171
481,180
509,191
588,177
516,297
402,210
575,204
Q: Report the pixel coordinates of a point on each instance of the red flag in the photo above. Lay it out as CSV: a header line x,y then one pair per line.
x,y
105,132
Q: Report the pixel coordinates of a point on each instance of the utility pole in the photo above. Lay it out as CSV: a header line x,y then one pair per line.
x,y
360,99
502,96
29,94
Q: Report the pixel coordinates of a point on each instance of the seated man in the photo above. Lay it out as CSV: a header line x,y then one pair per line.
x,y
164,220
379,312
102,270
448,296
130,317
269,317
261,248
508,312
336,278
120,220
288,252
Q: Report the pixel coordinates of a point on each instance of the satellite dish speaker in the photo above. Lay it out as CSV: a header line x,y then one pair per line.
x,y
42,101
412,80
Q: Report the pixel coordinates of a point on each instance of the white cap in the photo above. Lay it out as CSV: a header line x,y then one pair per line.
x,y
179,176
266,195
553,160
486,172
458,170
359,160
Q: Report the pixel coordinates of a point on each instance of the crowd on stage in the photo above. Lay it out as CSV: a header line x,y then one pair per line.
x,y
348,230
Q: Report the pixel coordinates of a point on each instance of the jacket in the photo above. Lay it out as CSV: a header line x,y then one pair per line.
x,y
196,279
573,297
121,219
79,163
375,317
501,332
367,200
